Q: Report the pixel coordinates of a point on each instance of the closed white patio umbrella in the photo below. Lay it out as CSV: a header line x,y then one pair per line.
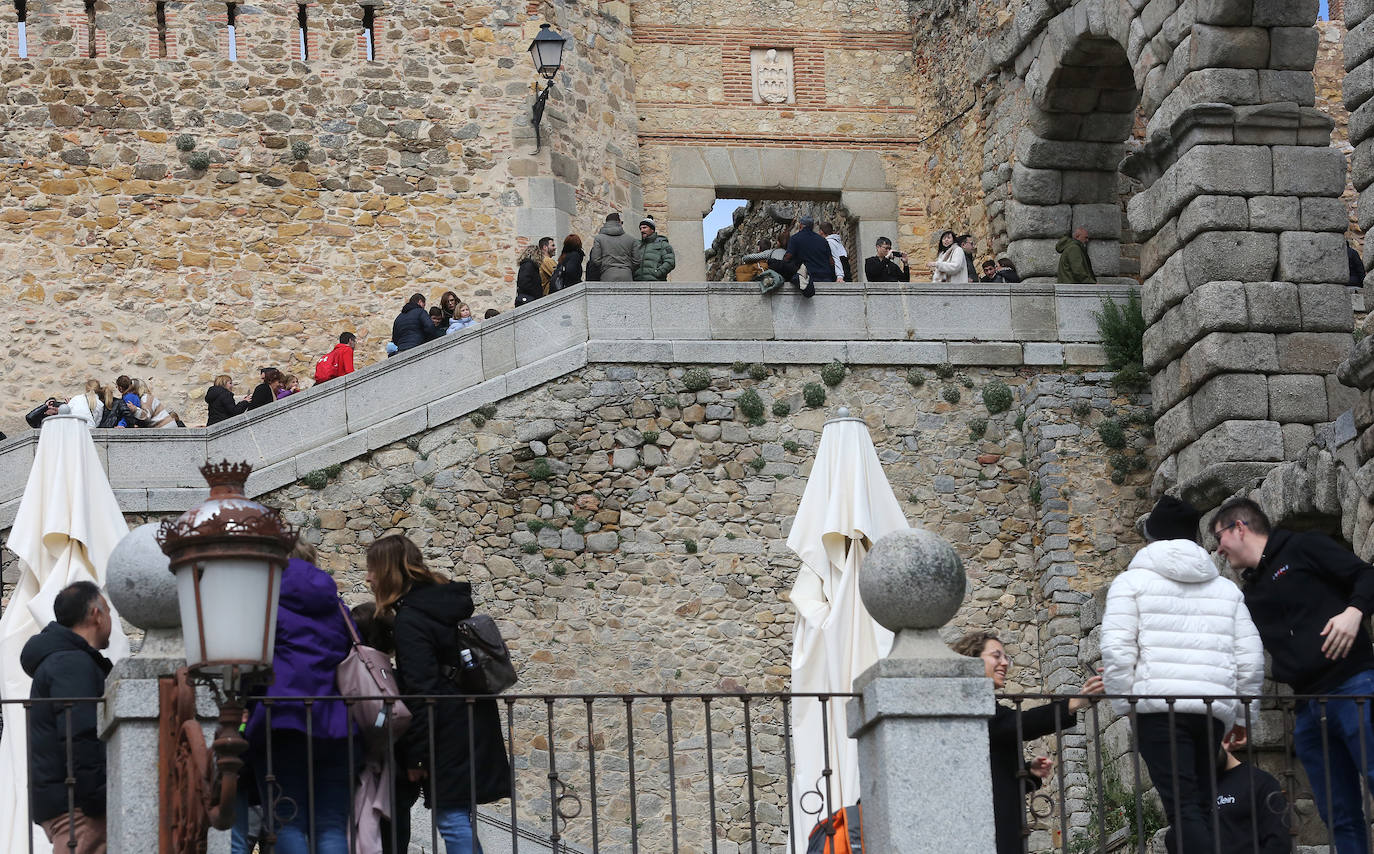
x,y
846,508
67,524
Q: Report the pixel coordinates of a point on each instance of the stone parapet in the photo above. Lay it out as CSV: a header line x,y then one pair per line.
x,y
898,325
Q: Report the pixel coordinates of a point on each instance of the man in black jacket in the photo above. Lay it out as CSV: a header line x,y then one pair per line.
x,y
886,265
64,663
412,327
1308,597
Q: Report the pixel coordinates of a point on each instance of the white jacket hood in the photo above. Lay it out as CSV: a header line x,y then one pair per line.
x,y
1183,561
1174,627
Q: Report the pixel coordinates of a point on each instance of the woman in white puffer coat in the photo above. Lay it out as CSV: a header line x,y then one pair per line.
x,y
1174,627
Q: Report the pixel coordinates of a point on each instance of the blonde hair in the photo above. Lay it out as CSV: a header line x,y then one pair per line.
x,y
223,380
97,393
396,566
305,551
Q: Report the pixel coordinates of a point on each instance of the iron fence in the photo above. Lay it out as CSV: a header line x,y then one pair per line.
x,y
1101,798
715,772
74,720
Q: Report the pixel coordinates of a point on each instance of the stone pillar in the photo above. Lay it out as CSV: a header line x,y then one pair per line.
x,y
922,720
143,590
1356,89
1244,252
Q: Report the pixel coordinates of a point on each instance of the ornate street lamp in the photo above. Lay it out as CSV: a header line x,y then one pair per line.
x,y
227,554
547,52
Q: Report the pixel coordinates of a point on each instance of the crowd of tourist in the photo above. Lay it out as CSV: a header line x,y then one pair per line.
x,y
806,252
803,253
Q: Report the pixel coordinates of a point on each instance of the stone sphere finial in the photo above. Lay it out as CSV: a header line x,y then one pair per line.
x,y
139,582
912,579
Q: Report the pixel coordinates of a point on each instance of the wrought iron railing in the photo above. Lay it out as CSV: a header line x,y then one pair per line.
x,y
1100,797
715,772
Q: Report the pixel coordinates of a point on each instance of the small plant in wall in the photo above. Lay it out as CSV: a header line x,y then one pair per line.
x,y
186,142
814,395
696,379
757,463
1081,407
997,397
916,378
198,161
977,428
1112,433
781,408
750,405
944,370
300,149
833,373
540,470
950,393
739,366
758,372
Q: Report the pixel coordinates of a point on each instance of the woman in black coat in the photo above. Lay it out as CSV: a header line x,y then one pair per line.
x,y
1012,776
569,270
423,609
219,400
528,285
266,392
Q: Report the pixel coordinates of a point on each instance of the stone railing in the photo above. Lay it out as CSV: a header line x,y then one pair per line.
x,y
875,324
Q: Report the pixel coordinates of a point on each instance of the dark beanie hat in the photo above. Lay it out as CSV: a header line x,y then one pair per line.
x,y
1172,519
612,217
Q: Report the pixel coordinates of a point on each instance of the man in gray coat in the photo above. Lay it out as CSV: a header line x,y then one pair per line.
x,y
615,255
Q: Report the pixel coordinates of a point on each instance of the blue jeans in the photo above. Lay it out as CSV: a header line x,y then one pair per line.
x,y
1341,808
456,827
290,819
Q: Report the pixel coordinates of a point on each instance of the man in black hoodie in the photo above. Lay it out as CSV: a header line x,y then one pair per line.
x,y
63,662
412,326
1308,597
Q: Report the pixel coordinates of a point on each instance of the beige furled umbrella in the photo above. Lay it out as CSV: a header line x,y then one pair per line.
x,y
67,524
846,508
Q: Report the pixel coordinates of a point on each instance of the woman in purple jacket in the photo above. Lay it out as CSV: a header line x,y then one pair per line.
x,y
312,639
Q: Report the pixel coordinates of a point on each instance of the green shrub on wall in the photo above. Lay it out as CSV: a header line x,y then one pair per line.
x,y
833,373
997,397
814,394
750,405
1122,330
696,379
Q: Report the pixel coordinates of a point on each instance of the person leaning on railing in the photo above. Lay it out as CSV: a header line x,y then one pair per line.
x,y
1008,729
424,610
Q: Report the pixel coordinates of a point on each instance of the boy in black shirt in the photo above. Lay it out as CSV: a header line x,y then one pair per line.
x,y
1252,812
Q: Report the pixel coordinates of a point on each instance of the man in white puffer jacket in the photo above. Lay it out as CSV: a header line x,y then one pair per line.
x,y
1173,627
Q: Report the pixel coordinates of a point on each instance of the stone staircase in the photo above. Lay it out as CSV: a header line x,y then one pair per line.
x,y
154,471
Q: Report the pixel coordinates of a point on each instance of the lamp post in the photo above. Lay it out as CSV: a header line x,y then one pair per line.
x,y
547,52
227,554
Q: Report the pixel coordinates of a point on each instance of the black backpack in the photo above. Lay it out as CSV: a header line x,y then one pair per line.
x,y
483,665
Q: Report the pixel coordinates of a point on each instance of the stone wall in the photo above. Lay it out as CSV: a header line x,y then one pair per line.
x,y
333,188
630,536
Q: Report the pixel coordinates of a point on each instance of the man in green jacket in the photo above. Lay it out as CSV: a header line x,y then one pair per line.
x,y
657,258
1075,267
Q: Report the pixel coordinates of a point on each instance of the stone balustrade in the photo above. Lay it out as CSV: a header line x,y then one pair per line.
x,y
673,323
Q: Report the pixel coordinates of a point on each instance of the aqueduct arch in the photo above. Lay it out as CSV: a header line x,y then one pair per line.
x,y
1240,219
